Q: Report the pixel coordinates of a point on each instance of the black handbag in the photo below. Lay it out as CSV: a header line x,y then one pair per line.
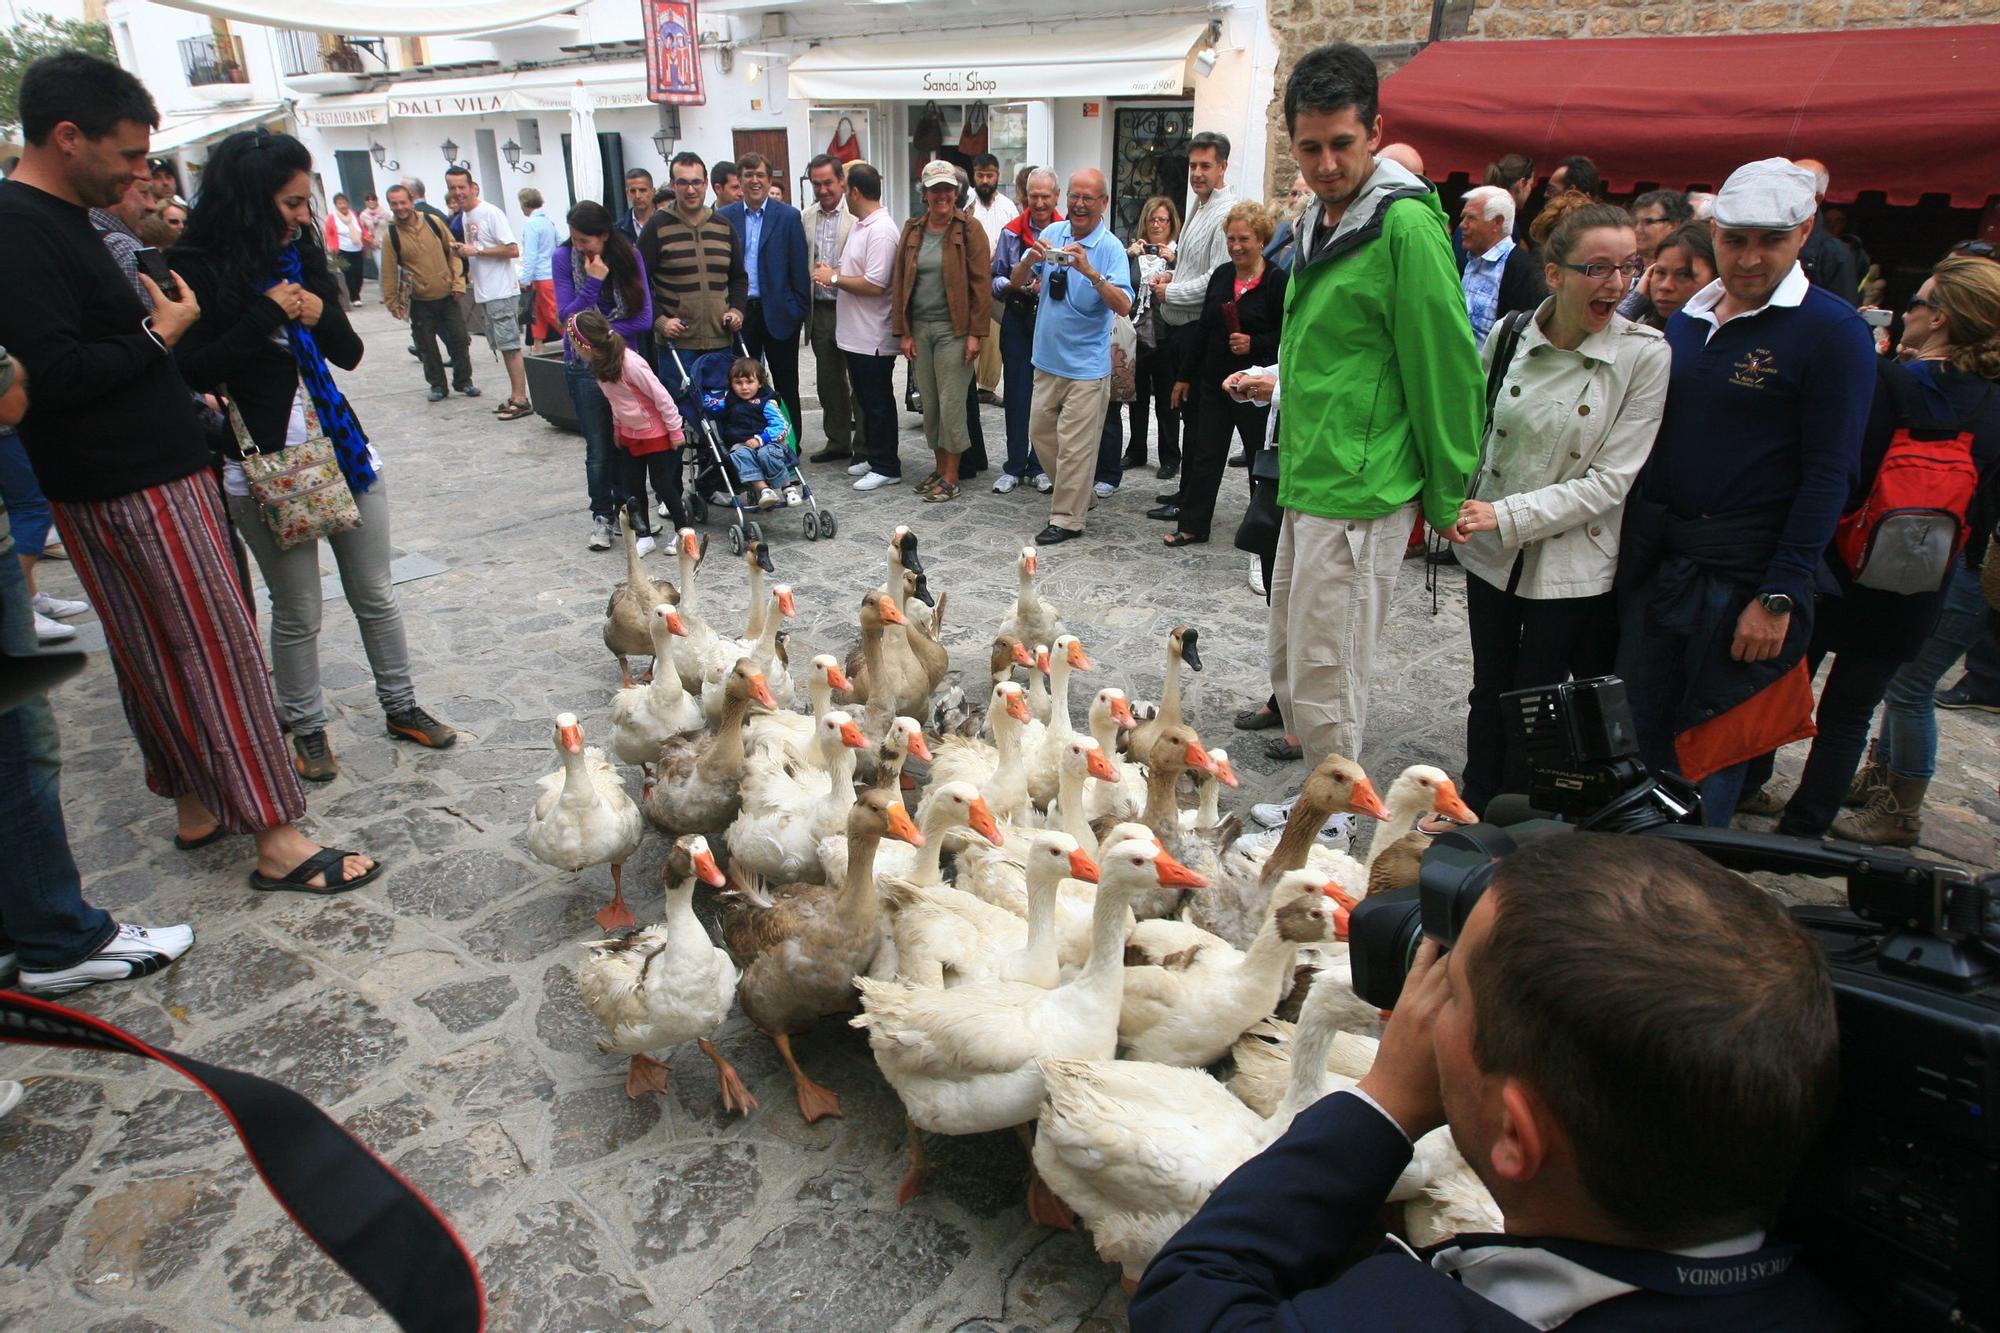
x,y
1258,532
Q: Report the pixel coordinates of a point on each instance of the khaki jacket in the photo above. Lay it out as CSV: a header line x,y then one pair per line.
x,y
1570,432
968,281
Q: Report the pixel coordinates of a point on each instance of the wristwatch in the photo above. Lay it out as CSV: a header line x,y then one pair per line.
x,y
1777,603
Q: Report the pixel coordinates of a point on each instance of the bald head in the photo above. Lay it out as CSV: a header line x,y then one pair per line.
x,y
1821,178
1087,199
1404,156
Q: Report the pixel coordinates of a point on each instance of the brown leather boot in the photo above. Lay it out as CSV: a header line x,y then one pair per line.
x,y
1893,817
1872,777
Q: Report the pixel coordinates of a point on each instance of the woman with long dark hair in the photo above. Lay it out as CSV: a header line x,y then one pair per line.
x,y
271,322
597,269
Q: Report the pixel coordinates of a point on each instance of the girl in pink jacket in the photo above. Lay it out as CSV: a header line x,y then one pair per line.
x,y
644,419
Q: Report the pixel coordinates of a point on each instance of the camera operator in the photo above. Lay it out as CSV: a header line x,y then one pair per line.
x,y
1634,1049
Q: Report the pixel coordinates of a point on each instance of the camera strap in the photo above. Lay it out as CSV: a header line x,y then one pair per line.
x,y
1659,1271
367,1218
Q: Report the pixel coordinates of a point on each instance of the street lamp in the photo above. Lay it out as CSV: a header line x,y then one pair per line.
x,y
451,161
669,131
512,152
381,156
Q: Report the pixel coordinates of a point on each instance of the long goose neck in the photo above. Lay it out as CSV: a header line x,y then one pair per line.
x,y
1059,720
635,573
821,693
1069,791
1270,955
578,788
1170,691
856,904
1105,968
1301,827
683,926
755,629
1162,812
929,871
1209,814
1312,1042
1007,742
767,637
666,676
724,758
1104,731
1042,894
1403,817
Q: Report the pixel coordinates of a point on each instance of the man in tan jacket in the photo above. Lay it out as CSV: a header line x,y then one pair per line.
x,y
421,282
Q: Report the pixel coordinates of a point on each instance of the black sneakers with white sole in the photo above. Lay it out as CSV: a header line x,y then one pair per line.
x,y
135,951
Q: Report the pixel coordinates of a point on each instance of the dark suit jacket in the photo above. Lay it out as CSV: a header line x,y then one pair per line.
x,y
784,267
1830,264
1258,1254
1522,282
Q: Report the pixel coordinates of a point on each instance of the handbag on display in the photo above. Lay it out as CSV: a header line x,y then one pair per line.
x,y
845,146
972,139
928,135
299,488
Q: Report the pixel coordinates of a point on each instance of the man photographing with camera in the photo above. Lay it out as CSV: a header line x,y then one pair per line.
x,y
1633,1049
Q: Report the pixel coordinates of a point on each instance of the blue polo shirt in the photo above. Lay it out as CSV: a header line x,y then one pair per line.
x,y
1765,409
1073,335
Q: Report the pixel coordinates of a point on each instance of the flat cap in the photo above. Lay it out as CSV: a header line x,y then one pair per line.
x,y
1772,195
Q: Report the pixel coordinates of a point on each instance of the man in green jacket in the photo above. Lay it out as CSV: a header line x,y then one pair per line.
x,y
1383,402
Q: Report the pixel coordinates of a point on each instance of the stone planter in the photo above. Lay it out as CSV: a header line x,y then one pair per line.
x,y
549,393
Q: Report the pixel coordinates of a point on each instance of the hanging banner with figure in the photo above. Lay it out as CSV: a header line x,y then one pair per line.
x,y
673,53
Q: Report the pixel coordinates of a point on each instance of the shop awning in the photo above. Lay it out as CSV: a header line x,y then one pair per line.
x,y
1131,61
187,131
385,18
612,86
1908,111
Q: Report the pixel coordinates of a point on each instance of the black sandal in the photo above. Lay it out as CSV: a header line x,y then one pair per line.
x,y
216,834
326,861
1183,539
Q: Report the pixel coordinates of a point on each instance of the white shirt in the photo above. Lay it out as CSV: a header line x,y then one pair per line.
x,y
994,217
1791,290
492,279
1200,252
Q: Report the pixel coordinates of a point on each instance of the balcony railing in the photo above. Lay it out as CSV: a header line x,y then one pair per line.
x,y
211,60
316,53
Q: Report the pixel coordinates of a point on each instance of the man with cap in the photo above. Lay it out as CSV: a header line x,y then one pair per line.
x,y
1723,539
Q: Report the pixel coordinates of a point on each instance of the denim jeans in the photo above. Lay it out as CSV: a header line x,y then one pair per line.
x,y
1017,369
21,493
1111,446
1656,668
43,917
768,463
1907,745
1982,668
600,446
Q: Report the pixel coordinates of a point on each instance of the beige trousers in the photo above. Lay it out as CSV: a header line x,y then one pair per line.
x,y
988,364
1330,591
1065,422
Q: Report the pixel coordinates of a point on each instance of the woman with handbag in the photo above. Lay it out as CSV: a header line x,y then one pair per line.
x,y
302,469
941,303
1242,314
1574,394
1159,232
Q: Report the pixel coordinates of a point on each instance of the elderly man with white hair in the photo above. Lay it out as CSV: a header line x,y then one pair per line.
x,y
1500,275
1827,260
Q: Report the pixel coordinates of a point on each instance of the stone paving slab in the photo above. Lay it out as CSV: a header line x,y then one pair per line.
x,y
435,1012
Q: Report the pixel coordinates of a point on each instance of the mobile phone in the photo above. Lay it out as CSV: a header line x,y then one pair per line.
x,y
154,265
1877,317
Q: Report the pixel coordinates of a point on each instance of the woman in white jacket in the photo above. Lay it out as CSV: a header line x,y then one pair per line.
x,y
1574,414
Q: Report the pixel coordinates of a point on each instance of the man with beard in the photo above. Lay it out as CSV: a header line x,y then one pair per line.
x,y
992,210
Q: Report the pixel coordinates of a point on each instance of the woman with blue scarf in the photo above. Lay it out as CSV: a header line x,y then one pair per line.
x,y
272,319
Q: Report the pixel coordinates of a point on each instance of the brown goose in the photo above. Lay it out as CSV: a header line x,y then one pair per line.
x,y
699,778
1181,648
628,615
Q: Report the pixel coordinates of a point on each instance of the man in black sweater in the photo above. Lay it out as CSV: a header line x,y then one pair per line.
x,y
1634,1049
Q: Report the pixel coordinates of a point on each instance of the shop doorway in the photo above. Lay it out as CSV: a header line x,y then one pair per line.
x,y
611,156
357,182
1149,155
958,132
775,147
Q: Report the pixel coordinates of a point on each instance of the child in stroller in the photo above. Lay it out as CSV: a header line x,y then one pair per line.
x,y
755,432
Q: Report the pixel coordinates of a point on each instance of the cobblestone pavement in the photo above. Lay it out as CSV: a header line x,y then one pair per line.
x,y
435,1012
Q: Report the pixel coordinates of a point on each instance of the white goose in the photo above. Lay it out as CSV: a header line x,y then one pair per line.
x,y
645,717
765,651
1136,1149
1111,713
947,937
666,984
584,818
788,808
1029,620
775,737
1044,744
690,657
1398,847
969,1059
1207,812
946,808
998,770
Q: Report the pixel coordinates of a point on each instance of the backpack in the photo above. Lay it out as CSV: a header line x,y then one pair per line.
x,y
1912,524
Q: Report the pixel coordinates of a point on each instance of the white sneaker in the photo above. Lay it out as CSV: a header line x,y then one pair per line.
x,y
10,1096
600,534
769,498
1335,836
135,951
1044,483
664,512
1005,483
794,496
1257,576
860,469
59,607
646,544
52,631
1273,814
1105,490
875,481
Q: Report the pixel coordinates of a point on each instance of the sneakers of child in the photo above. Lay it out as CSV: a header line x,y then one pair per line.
x,y
135,951
875,481
794,496
1005,483
860,469
1044,483
600,534
52,631
62,608
646,544
1105,490
768,498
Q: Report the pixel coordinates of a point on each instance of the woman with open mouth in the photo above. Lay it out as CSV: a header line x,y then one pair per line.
x,y
1574,393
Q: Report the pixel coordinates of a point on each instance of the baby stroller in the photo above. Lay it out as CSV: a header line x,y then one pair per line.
x,y
709,468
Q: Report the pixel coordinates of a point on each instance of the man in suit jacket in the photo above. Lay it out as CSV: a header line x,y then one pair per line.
x,y
779,265
1499,273
1637,1121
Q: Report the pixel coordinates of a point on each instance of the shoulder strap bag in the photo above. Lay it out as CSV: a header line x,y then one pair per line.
x,y
299,488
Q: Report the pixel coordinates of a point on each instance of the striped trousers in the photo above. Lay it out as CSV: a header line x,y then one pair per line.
x,y
157,566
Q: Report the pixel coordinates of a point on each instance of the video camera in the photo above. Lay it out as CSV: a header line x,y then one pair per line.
x,y
1899,1207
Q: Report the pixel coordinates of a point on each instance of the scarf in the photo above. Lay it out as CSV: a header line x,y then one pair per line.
x,y
336,418
617,314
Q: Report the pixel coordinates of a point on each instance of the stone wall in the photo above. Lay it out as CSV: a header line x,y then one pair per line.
x,y
1393,29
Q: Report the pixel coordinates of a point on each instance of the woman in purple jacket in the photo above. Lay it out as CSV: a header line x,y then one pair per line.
x,y
599,270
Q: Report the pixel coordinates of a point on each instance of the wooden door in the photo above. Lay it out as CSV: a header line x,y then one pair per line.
x,y
776,146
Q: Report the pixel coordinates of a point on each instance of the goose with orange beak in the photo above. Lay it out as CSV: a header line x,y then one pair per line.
x,y
667,984
628,614
584,818
787,737
1030,619
999,769
1172,752
801,952
645,717
968,1059
1045,743
699,784
766,651
786,810
692,653
1398,850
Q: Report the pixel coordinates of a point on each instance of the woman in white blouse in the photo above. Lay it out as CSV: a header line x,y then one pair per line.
x,y
1575,409
347,236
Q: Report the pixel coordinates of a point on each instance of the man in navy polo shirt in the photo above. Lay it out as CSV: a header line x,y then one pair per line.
x,y
1757,451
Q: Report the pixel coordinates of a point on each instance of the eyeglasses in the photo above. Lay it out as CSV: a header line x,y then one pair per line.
x,y
1660,221
1599,271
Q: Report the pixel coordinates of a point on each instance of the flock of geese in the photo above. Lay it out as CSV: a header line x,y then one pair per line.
x,y
1057,941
